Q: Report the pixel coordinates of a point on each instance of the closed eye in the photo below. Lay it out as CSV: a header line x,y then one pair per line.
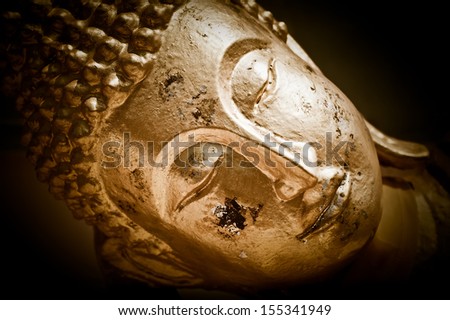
x,y
270,85
254,82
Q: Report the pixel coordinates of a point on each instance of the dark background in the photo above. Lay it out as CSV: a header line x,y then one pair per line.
x,y
389,60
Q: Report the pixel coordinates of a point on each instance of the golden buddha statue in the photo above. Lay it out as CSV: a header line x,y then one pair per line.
x,y
209,151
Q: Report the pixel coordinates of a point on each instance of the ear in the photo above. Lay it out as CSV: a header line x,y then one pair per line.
x,y
398,153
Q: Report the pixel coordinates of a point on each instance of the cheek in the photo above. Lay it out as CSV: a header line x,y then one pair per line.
x,y
128,187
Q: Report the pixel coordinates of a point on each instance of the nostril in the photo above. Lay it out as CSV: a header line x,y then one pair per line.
x,y
289,182
287,190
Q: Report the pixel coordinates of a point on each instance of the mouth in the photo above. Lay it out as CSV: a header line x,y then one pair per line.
x,y
331,211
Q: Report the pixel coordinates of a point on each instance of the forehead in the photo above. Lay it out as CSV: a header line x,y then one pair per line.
x,y
221,24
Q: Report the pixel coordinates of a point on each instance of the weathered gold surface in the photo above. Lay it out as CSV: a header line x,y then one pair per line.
x,y
269,177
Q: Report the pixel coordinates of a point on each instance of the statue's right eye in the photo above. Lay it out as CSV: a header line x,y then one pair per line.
x,y
253,81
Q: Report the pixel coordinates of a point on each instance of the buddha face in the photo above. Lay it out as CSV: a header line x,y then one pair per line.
x,y
239,154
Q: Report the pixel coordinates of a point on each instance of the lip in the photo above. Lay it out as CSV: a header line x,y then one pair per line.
x,y
332,211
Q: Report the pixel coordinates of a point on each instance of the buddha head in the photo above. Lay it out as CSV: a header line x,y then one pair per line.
x,y
197,137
